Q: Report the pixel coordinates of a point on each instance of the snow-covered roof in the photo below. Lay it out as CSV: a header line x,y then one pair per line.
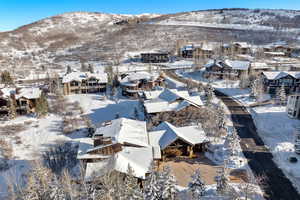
x,y
139,159
259,65
125,130
85,145
236,64
26,92
275,53
190,134
280,74
137,76
212,63
29,93
79,76
165,100
242,44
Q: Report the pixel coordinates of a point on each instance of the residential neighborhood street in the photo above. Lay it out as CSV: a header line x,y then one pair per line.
x,y
278,186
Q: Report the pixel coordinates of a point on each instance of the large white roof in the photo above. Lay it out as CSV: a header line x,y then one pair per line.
x,y
237,64
242,44
139,159
85,145
165,100
137,76
190,134
26,92
79,76
125,130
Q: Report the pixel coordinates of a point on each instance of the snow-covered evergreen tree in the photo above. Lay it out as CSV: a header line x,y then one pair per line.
x,y
132,190
69,69
222,181
232,143
209,94
197,186
282,95
152,189
12,112
168,183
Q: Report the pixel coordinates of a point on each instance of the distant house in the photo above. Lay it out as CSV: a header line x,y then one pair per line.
x,y
24,99
293,106
187,51
278,49
227,69
206,50
84,82
155,57
275,79
171,141
169,100
256,68
121,143
134,83
241,48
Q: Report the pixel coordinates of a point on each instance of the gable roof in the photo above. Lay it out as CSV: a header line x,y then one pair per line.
x,y
26,92
237,64
281,74
125,130
242,44
79,76
165,100
139,159
190,134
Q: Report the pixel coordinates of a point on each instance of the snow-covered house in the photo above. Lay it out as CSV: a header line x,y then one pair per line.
x,y
24,99
241,48
206,50
274,80
277,49
178,141
134,83
169,100
227,69
84,82
121,143
257,68
293,106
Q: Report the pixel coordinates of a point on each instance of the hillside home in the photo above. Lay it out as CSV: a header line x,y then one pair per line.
x,y
155,57
256,68
134,83
241,48
171,141
169,100
187,51
24,100
115,146
274,80
293,106
278,49
84,82
230,69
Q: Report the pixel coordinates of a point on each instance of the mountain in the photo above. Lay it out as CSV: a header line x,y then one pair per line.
x,y
80,37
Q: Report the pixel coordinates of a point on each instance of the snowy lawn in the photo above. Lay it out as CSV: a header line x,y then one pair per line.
x,y
277,131
99,110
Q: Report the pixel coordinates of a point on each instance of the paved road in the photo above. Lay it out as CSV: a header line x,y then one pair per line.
x,y
278,187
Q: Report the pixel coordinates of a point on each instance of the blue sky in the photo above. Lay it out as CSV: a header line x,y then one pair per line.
x,y
15,13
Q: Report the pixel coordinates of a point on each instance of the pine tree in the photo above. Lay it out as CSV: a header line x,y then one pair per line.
x,y
91,68
132,190
12,112
42,105
152,189
6,78
136,113
197,186
69,69
282,95
168,182
222,181
232,143
209,94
